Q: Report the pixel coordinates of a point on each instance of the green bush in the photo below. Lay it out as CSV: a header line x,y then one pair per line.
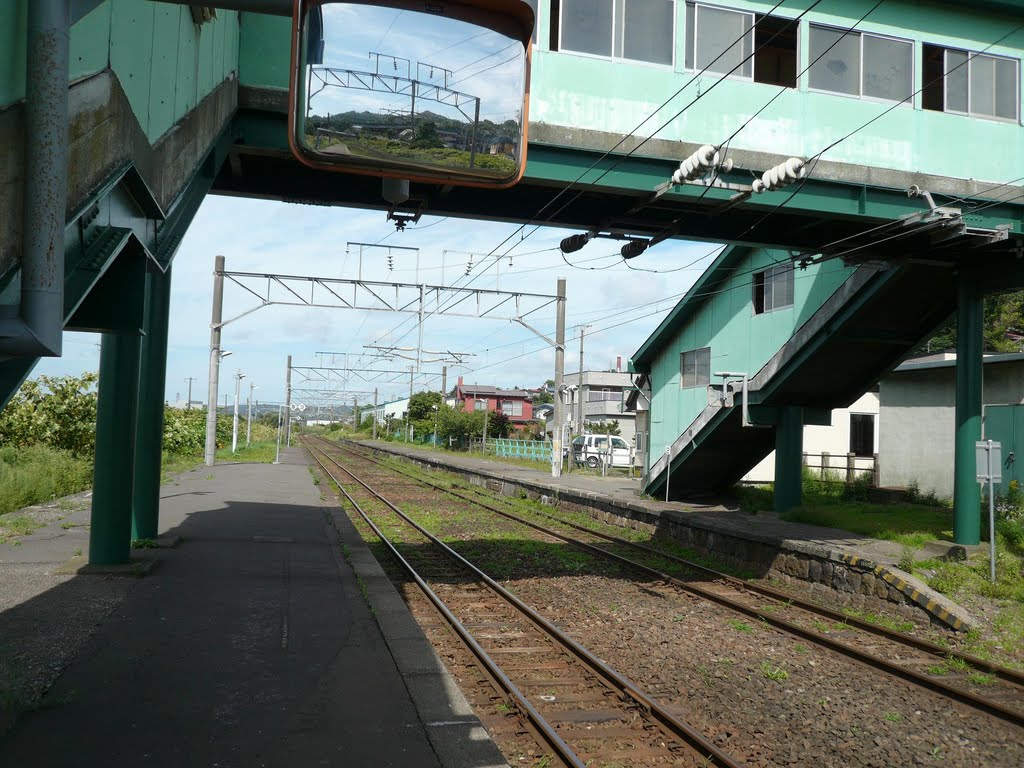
x,y
185,431
40,473
56,411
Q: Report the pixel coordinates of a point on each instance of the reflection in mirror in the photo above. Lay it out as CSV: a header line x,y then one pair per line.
x,y
413,94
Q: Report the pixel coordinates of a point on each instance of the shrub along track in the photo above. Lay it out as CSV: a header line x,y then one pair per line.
x,y
582,710
688,656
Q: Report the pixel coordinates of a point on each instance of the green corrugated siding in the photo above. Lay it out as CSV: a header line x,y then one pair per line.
x,y
264,51
593,93
740,341
164,61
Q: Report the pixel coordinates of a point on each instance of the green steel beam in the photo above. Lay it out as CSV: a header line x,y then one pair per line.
x,y
111,521
789,442
150,422
969,346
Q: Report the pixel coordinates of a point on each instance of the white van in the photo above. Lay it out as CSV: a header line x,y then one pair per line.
x,y
593,450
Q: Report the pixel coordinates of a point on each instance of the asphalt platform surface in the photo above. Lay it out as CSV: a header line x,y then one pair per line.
x,y
249,643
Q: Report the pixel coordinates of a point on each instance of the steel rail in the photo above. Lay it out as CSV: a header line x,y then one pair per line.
x,y
537,721
991,707
627,687
1010,675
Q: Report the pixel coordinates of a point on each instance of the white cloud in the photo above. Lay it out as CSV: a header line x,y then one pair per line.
x,y
274,237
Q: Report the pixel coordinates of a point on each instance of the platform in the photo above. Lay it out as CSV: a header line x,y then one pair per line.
x,y
250,643
864,568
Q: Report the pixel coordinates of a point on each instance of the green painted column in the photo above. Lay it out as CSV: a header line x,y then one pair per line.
x,y
789,458
969,346
111,525
149,427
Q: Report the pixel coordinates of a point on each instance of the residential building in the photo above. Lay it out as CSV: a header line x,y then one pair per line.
x,y
601,395
850,441
513,403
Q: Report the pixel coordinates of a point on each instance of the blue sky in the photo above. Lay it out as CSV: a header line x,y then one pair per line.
x,y
275,237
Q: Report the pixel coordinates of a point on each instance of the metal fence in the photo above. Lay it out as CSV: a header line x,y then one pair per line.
x,y
537,450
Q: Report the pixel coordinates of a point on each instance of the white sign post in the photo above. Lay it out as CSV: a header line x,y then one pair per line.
x,y
989,465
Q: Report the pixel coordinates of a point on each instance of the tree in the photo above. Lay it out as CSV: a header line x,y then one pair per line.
x,y
426,136
604,427
1003,320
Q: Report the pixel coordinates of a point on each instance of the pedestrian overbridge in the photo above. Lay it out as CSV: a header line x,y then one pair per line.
x,y
166,102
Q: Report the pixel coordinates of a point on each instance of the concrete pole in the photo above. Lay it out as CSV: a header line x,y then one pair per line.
x,y
248,416
188,403
556,441
969,372
288,405
444,383
579,392
211,399
280,419
374,413
234,420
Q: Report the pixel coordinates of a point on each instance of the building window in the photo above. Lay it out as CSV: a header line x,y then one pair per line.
x,y
479,405
963,83
862,434
695,368
861,65
724,42
773,288
602,394
638,30
640,438
512,407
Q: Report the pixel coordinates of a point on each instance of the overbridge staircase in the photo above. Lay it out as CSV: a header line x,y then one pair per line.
x,y
878,315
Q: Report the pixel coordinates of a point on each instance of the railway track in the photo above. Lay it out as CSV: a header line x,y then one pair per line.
x,y
578,707
894,653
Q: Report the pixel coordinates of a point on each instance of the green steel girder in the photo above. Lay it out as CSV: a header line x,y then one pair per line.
x,y
821,212
120,217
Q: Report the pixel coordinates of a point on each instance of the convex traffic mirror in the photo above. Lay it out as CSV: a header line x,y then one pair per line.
x,y
426,91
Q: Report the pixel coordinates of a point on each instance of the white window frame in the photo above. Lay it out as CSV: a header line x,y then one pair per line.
x,y
753,44
971,56
774,308
860,75
479,401
617,31
695,385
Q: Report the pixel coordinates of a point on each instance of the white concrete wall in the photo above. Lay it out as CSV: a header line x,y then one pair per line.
x,y
917,421
834,440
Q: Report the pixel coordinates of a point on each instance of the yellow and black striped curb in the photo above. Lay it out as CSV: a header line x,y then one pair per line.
x,y
925,599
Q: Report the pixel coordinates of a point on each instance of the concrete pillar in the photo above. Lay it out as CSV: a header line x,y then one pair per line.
x,y
149,428
969,346
789,442
111,525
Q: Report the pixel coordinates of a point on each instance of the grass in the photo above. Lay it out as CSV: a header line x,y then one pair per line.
x,y
12,526
896,625
740,626
912,525
772,672
893,717
37,474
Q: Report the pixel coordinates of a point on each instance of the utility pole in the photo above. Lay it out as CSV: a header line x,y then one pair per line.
x,y
188,403
234,421
215,354
410,383
579,392
556,438
485,430
444,383
374,413
248,417
288,404
355,412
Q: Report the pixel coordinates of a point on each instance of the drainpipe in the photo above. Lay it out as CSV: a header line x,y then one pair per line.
x,y
34,328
